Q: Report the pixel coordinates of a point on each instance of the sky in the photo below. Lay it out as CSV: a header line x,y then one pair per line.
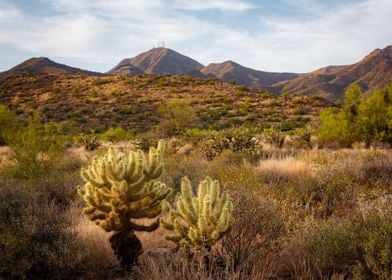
x,y
274,35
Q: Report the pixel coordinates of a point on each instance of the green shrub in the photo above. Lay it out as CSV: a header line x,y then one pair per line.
x,y
274,137
378,250
7,123
358,119
178,115
35,147
117,134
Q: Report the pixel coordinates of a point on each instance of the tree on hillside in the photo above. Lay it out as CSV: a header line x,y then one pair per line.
x,y
177,116
359,118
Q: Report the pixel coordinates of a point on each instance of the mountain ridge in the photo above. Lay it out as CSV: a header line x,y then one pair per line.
x,y
43,65
372,71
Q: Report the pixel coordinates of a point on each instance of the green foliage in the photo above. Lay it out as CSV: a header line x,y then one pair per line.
x,y
358,119
116,134
274,137
178,115
302,137
89,141
333,127
240,139
378,250
35,147
7,123
198,221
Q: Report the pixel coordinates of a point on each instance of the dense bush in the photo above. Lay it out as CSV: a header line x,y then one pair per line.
x,y
177,116
35,147
358,118
7,123
117,134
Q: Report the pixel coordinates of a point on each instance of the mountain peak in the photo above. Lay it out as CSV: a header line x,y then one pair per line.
x,y
160,61
43,65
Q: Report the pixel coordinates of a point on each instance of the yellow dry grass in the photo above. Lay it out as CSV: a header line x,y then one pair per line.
x,y
285,167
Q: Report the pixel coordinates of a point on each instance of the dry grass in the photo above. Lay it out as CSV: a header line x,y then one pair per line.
x,y
284,169
91,236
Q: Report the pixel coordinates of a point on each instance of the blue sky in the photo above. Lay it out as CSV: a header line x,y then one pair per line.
x,y
279,35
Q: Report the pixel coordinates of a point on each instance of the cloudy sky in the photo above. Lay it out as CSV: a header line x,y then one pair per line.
x,y
271,35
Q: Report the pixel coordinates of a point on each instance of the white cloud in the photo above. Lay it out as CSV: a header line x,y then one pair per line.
x,y
224,5
101,33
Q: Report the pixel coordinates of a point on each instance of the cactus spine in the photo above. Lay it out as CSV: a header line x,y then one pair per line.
x,y
198,221
120,189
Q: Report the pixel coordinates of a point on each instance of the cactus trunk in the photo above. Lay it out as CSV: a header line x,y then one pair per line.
x,y
127,247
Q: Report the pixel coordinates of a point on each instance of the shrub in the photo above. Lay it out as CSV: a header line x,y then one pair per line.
x,y
178,116
378,250
35,147
116,134
35,238
274,137
7,123
332,246
302,137
256,226
89,141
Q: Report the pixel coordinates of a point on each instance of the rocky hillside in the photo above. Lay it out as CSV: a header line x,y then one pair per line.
x,y
373,71
231,71
133,102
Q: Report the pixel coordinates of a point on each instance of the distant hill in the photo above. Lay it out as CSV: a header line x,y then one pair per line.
x,y
160,61
373,71
43,65
230,70
133,102
125,69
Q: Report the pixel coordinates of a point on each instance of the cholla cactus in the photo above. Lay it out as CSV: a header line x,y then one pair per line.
x,y
198,221
120,188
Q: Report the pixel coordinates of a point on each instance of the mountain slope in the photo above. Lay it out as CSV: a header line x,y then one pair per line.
x,y
373,71
133,102
43,65
160,61
125,69
230,70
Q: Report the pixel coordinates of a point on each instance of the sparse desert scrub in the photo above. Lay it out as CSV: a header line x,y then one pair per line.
x,y
298,214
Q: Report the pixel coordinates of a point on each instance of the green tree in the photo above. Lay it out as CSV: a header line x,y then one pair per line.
x,y
7,123
333,127
373,117
178,115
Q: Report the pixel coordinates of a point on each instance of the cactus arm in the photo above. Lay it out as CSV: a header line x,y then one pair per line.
x,y
148,228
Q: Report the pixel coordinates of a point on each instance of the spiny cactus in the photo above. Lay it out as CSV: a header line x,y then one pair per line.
x,y
198,221
122,188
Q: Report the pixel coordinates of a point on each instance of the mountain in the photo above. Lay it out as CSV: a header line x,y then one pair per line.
x,y
124,69
160,61
198,74
230,70
43,65
373,71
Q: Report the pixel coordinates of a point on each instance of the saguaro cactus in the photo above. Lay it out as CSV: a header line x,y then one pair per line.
x,y
198,221
120,189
